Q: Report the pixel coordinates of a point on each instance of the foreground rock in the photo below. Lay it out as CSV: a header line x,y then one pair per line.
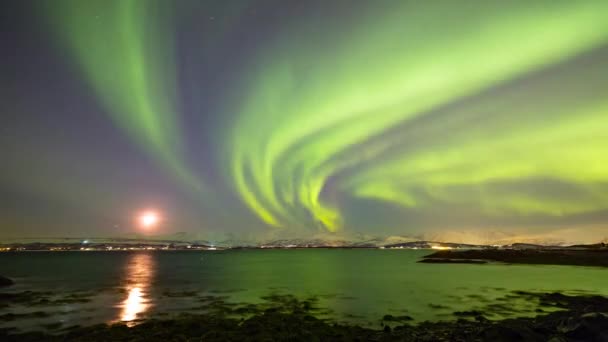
x,y
532,256
583,318
4,281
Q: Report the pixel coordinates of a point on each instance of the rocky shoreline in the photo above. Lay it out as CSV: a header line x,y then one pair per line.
x,y
578,318
560,317
569,257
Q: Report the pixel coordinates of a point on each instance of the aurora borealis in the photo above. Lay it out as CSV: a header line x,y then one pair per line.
x,y
472,120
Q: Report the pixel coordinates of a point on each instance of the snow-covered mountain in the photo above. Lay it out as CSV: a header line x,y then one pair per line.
x,y
284,238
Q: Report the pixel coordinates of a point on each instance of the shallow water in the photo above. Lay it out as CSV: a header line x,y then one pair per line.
x,y
358,285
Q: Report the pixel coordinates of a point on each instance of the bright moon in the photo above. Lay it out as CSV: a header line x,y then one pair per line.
x,y
148,219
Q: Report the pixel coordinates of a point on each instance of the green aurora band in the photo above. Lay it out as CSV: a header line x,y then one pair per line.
x,y
397,103
323,96
125,50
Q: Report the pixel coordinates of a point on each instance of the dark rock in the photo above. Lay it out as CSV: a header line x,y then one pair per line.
x,y
481,318
472,313
545,256
405,318
588,327
388,318
558,339
391,318
505,333
451,261
4,281
13,316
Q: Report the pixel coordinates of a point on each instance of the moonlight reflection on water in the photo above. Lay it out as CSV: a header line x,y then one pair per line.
x,y
139,272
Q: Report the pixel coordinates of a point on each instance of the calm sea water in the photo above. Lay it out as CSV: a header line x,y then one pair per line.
x,y
359,285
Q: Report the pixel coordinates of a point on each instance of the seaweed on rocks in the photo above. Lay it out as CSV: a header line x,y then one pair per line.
x,y
40,298
579,318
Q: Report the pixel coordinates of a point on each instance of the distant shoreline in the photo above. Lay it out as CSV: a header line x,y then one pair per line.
x,y
90,245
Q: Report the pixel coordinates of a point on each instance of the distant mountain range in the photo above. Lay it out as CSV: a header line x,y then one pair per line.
x,y
133,244
327,240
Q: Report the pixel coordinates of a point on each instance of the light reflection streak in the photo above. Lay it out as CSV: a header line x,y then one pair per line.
x,y
139,272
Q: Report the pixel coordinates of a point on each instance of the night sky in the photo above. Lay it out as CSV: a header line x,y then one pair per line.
x,y
473,121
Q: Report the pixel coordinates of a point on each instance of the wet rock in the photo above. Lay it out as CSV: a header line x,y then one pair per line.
x,y
15,316
471,313
451,261
391,318
180,294
506,333
28,298
557,339
588,327
4,281
52,326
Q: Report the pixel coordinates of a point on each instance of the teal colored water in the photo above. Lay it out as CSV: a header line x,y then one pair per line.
x,y
359,285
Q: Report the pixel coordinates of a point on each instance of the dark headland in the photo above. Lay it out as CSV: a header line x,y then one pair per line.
x,y
588,255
